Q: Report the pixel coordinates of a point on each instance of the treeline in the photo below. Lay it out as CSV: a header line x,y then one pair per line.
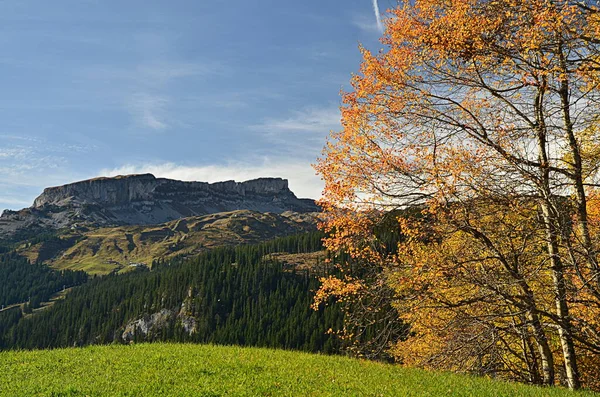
x,y
230,295
21,281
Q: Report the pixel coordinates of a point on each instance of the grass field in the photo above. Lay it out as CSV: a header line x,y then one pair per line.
x,y
193,370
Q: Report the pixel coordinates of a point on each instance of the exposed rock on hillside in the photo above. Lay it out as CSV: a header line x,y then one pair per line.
x,y
148,326
151,326
147,200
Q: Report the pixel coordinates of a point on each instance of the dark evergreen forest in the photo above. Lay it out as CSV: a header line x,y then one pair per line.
x,y
21,281
235,295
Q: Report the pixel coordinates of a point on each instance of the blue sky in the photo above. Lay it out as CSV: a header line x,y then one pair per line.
x,y
192,90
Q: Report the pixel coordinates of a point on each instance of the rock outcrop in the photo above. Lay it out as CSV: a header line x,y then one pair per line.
x,y
148,326
147,200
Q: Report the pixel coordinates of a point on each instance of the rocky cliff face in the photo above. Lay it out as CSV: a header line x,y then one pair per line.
x,y
145,200
125,190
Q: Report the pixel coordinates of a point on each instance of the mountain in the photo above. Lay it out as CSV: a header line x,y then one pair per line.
x,y
109,249
146,200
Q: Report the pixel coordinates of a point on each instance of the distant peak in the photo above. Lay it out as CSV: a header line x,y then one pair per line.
x,y
143,199
266,185
148,176
126,189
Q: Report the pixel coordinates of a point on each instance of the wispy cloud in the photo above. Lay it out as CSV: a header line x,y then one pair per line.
x,y
21,183
144,90
366,24
301,176
377,16
314,120
18,153
29,164
13,137
164,72
153,73
9,201
152,111
148,110
302,133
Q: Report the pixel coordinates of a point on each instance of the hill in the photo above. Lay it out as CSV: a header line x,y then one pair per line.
x,y
109,249
196,370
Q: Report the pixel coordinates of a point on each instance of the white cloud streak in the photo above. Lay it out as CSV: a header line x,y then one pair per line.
x,y
29,164
302,133
378,16
301,176
148,110
317,120
144,89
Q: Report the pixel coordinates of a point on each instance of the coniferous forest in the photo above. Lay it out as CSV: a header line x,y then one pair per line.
x,y
231,295
21,281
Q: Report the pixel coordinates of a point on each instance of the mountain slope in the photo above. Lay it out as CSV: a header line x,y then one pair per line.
x,y
192,370
228,295
104,250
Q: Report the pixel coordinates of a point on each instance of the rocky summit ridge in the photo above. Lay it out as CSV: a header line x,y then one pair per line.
x,y
147,200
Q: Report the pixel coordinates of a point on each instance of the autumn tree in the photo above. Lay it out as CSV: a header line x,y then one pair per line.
x,y
371,322
484,115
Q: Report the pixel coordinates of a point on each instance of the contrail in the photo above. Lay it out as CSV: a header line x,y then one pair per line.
x,y
378,16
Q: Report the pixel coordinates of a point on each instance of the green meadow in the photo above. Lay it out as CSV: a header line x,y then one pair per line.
x,y
199,370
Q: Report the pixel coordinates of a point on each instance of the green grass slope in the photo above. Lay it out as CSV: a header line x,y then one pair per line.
x,y
194,370
103,250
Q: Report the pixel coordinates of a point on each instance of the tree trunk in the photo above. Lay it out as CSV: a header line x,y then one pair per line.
x,y
543,348
565,327
552,223
577,176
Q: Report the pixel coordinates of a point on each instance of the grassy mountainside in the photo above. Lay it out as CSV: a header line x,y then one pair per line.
x,y
195,370
104,250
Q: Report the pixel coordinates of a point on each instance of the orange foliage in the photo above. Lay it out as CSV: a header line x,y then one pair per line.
x,y
483,115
